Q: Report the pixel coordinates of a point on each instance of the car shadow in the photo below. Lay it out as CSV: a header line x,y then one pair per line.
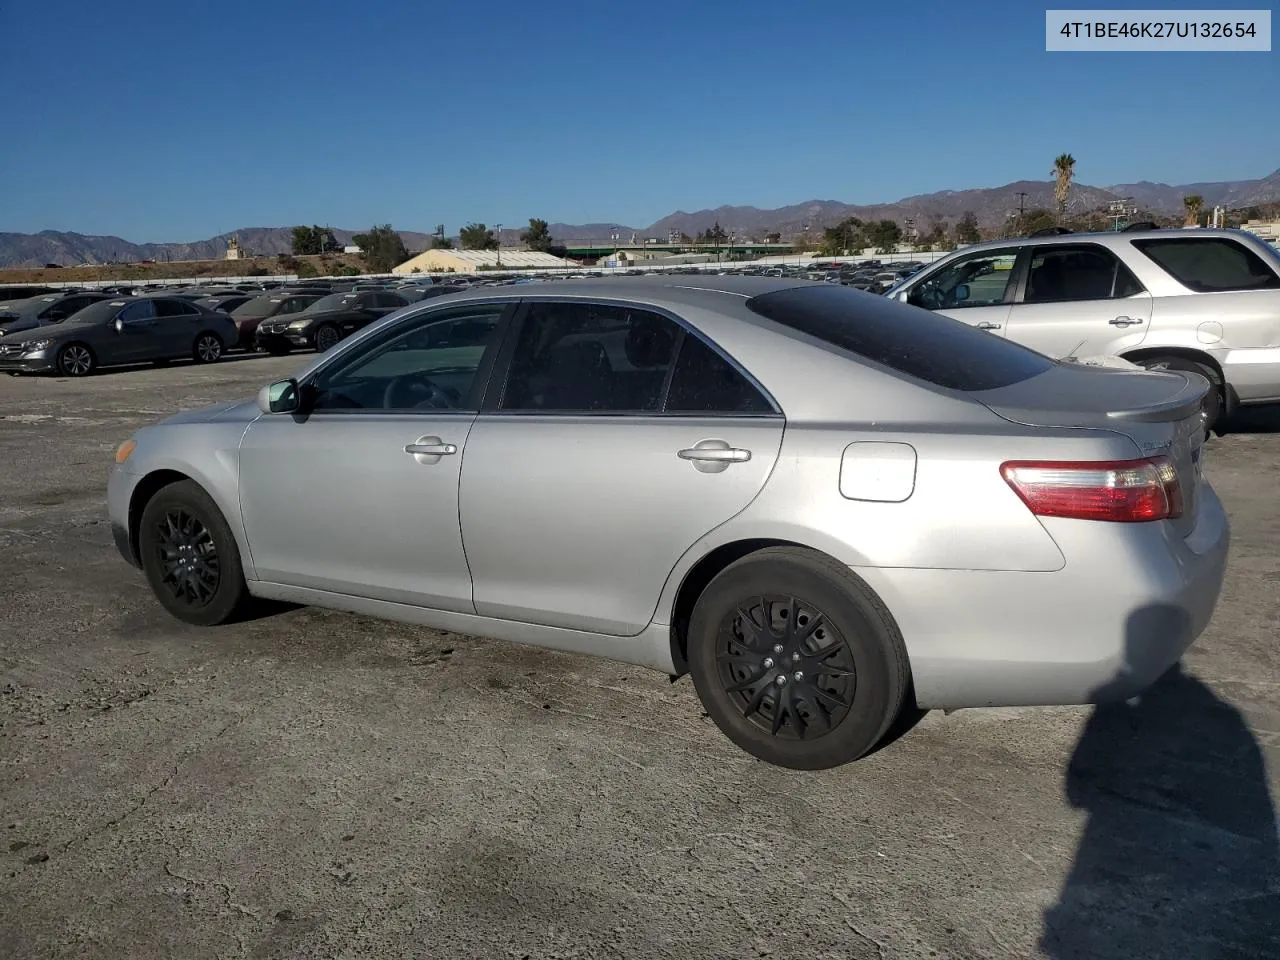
x,y
1179,855
1263,418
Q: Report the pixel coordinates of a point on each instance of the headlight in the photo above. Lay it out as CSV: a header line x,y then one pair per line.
x,y
298,325
31,346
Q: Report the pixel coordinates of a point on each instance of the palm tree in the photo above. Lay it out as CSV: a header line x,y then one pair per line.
x,y
1064,168
1194,204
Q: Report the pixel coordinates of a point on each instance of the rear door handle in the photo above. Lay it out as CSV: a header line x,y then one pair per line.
x,y
432,447
713,456
987,325
1125,321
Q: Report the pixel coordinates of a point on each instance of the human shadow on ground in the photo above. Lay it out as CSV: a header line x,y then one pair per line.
x,y
1179,857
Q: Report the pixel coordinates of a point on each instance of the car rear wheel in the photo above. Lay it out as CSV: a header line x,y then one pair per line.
x,y
1214,403
75,360
207,348
325,337
190,557
796,659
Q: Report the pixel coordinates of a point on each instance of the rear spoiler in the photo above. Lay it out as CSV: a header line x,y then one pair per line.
x,y
1180,406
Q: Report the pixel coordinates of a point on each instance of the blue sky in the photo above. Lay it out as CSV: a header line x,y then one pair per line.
x,y
167,121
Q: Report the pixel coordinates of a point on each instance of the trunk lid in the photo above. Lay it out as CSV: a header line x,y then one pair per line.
x,y
1160,411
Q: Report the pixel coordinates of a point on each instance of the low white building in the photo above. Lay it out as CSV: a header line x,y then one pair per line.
x,y
473,261
1266,229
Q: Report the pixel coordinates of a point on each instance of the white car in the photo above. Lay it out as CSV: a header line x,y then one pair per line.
x,y
1206,301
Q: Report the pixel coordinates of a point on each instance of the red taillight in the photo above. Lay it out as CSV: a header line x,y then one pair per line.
x,y
1121,491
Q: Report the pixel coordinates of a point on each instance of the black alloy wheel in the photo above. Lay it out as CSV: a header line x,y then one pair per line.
x,y
325,338
188,557
208,348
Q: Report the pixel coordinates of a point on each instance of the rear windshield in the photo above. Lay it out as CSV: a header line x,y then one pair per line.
x,y
257,307
1210,264
908,340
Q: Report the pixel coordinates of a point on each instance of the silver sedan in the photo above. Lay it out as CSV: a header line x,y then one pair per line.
x,y
826,506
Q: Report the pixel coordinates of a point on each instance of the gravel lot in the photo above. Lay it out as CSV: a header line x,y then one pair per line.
x,y
323,785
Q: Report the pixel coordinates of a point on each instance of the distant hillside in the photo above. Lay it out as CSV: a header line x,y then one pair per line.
x,y
991,205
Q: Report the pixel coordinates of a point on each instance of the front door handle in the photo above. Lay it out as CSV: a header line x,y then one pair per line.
x,y
430,449
713,456
988,325
1125,321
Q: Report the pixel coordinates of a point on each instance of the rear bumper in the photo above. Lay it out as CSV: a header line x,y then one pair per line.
x,y
1253,374
1129,602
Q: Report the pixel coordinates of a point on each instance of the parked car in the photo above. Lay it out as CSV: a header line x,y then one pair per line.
x,y
327,321
43,311
119,331
226,302
819,502
12,294
1205,301
418,294
253,312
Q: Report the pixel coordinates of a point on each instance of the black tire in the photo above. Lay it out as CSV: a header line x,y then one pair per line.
x,y
207,347
190,557
277,351
325,338
844,637
1214,404
76,360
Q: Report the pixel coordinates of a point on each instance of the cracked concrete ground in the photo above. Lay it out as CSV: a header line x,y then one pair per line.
x,y
323,785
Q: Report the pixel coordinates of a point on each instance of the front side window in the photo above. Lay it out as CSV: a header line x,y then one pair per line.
x,y
432,364
1210,264
1060,274
138,311
978,280
590,358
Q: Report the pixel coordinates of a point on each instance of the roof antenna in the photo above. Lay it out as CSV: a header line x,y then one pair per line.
x,y
1072,354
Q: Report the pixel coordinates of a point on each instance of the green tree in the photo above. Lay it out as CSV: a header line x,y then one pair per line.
x,y
476,236
381,248
885,235
773,238
1064,169
328,242
1037,219
538,236
306,241
441,243
849,234
1193,203
967,228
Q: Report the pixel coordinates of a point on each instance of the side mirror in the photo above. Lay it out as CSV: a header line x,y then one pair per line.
x,y
279,397
119,325
960,293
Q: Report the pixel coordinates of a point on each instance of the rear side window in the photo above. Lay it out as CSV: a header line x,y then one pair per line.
x,y
1059,274
914,342
705,382
1210,264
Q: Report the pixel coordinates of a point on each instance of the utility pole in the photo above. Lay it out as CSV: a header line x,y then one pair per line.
x,y
1022,208
498,234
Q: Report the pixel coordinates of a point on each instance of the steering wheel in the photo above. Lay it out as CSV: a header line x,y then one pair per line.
x,y
412,391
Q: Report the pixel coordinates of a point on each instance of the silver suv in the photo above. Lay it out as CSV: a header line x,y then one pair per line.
x,y
1200,300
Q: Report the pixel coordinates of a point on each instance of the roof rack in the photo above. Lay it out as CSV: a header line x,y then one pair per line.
x,y
1141,225
1050,232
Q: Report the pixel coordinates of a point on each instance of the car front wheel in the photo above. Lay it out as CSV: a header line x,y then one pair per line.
x,y
190,557
796,660
325,338
75,360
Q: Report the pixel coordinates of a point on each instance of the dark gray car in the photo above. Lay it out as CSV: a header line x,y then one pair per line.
x,y
119,331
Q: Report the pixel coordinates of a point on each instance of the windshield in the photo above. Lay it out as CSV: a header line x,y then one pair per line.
x,y
335,301
258,307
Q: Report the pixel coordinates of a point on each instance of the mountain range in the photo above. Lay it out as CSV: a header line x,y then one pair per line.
x,y
991,206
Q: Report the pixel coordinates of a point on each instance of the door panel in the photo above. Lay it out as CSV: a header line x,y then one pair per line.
x,y
1081,328
337,503
994,319
576,521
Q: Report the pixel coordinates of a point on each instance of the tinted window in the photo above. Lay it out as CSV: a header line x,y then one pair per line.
x,y
923,345
174,308
1058,274
1210,264
428,365
390,300
589,358
138,310
977,280
705,382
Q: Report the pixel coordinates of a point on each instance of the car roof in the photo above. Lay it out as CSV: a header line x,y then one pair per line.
x,y
655,290
1107,237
